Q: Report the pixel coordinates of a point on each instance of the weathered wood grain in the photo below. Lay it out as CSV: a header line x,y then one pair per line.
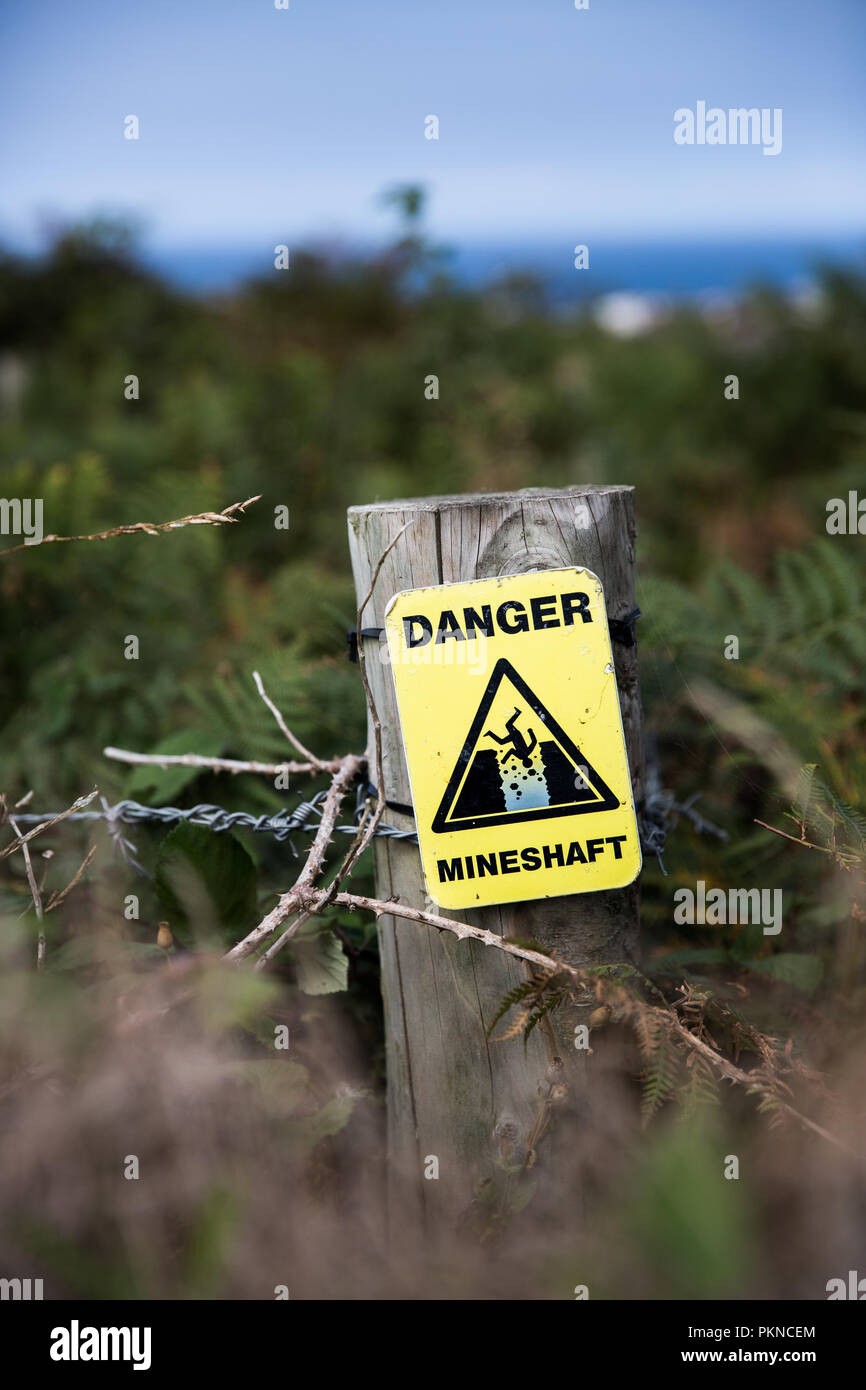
x,y
451,1092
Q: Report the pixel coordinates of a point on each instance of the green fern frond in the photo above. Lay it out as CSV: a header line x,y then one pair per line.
x,y
547,1006
511,1000
702,1085
663,1062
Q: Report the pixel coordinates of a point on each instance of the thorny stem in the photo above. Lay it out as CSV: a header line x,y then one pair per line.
x,y
286,731
35,894
289,901
232,765
294,898
725,1068
291,931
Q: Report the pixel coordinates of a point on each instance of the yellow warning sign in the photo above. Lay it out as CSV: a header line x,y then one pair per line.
x,y
513,736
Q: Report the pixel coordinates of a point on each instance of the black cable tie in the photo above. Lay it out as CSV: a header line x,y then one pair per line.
x,y
366,632
622,629
370,790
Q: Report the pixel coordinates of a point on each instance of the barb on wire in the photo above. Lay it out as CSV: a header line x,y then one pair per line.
x,y
123,847
659,805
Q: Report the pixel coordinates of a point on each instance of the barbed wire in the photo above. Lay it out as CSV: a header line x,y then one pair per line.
x,y
657,808
281,825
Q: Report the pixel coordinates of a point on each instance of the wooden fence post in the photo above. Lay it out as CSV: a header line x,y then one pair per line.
x,y
452,1094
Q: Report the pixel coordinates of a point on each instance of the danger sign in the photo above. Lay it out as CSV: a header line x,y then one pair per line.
x,y
513,736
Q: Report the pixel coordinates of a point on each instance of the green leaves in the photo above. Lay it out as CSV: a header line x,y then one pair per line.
x,y
163,784
676,962
788,967
206,886
792,968
320,963
205,880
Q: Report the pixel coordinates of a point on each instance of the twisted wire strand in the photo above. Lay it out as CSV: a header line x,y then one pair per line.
x,y
216,818
658,807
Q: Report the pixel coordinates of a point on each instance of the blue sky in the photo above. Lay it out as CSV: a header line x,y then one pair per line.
x,y
258,123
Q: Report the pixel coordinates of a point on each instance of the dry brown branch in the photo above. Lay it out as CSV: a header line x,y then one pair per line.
x,y
57,898
149,528
350,768
293,899
369,823
232,765
316,900
34,893
461,930
846,861
742,1078
284,728
78,805
349,859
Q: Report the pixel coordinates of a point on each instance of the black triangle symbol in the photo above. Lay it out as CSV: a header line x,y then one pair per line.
x,y
485,787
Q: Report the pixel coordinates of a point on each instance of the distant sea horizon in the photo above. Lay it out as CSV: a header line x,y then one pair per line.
x,y
683,267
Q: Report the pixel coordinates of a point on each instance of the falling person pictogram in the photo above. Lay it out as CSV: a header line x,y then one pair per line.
x,y
523,783
508,772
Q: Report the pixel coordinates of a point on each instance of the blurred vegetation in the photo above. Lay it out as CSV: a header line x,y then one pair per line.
x,y
307,387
